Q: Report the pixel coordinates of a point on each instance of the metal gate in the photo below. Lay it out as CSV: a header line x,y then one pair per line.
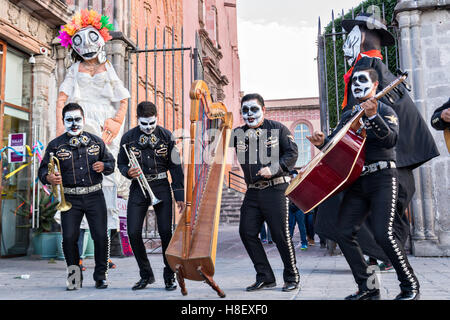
x,y
332,65
171,63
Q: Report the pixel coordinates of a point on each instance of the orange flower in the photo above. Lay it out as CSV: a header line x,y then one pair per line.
x,y
105,34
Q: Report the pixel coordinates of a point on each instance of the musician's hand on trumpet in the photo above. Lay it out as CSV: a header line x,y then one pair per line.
x,y
134,172
317,138
54,178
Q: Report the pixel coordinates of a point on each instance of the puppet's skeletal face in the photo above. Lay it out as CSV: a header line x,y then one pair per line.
x,y
362,85
147,125
352,45
73,122
252,113
88,43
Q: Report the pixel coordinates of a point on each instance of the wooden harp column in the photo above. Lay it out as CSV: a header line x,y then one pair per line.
x,y
192,250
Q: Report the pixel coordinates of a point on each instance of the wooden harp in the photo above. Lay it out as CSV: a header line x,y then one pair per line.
x,y
192,250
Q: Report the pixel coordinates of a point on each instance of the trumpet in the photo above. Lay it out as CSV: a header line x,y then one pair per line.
x,y
143,183
58,190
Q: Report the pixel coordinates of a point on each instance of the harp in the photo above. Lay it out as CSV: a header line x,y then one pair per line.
x,y
192,250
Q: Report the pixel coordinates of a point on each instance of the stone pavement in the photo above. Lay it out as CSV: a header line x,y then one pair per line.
x,y
322,277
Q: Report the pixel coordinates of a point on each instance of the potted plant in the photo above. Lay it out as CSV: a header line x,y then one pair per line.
x,y
44,236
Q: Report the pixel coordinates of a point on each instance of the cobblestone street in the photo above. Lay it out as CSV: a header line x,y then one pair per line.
x,y
323,277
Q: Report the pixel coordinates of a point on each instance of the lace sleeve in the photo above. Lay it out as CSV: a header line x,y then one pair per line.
x,y
119,91
68,84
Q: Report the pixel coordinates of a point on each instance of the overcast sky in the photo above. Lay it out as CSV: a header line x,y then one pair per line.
x,y
277,45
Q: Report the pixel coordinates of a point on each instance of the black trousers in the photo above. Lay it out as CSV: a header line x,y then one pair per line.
x,y
375,193
136,212
92,205
268,205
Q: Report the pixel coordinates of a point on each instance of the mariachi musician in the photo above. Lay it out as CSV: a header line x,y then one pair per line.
x,y
84,160
440,120
362,49
375,191
155,150
266,174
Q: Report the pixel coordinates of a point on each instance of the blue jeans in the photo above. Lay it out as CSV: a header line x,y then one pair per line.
x,y
265,235
299,218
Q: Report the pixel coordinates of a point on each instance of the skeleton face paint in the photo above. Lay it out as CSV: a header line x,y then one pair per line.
x,y
73,122
252,113
147,125
88,43
362,85
352,45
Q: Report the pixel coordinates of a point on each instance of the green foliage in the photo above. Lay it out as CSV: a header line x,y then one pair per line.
x,y
334,103
47,211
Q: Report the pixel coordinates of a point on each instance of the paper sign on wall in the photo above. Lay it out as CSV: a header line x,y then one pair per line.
x,y
17,141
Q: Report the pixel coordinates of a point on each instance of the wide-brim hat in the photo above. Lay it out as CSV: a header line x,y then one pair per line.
x,y
371,22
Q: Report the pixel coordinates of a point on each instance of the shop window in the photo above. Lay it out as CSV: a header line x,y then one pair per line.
x,y
16,119
17,80
304,147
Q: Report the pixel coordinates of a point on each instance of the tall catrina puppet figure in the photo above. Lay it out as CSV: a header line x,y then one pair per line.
x,y
92,82
415,146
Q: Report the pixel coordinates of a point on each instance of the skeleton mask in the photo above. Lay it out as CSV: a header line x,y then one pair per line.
x,y
352,45
73,122
252,113
147,125
362,85
89,44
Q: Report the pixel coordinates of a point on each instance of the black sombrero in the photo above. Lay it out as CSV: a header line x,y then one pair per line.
x,y
370,22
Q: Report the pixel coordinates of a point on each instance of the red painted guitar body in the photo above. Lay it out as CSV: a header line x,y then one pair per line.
x,y
338,164
336,167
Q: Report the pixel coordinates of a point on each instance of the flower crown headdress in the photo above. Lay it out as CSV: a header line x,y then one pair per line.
x,y
82,20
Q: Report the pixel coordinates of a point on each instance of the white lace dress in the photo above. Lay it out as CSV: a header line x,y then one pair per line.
x,y
96,95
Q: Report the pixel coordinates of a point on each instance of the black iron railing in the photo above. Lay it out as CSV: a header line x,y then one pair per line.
x,y
236,182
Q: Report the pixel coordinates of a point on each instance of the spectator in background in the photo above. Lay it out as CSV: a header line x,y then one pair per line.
x,y
265,235
297,216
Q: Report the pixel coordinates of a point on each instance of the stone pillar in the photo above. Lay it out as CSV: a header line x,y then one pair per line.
x,y
423,53
44,103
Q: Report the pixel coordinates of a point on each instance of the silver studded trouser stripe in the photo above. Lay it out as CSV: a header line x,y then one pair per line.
x,y
94,207
268,205
375,193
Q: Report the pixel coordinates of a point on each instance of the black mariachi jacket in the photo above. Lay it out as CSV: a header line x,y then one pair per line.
x,y
156,153
415,143
76,156
436,120
382,132
275,138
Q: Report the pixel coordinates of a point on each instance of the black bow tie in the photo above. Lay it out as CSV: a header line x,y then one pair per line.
x,y
147,140
77,141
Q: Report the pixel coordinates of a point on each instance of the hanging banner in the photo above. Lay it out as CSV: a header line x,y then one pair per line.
x,y
126,247
17,142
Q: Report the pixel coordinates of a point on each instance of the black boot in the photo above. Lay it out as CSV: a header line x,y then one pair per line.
x,y
366,294
170,284
142,283
408,295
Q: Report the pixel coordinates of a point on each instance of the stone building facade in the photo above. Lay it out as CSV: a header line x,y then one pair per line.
x,y
28,77
424,29
302,117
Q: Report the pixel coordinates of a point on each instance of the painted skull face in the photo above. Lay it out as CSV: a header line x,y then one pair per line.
x,y
88,43
252,113
147,125
73,122
362,85
352,45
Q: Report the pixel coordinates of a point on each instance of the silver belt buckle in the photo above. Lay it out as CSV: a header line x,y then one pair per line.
x,y
262,184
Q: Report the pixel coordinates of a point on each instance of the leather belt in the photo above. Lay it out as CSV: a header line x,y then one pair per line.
x,y
380,165
156,176
83,190
263,184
